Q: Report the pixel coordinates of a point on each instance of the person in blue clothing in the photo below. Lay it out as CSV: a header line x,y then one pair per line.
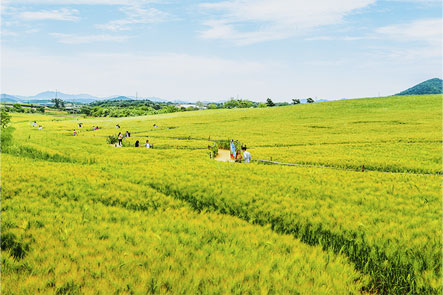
x,y
232,149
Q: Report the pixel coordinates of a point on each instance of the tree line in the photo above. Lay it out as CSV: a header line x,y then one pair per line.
x,y
131,108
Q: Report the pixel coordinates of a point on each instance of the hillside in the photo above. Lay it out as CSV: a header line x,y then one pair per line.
x,y
431,86
187,224
9,98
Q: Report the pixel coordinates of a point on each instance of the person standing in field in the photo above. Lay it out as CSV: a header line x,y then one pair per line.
x,y
75,132
246,155
120,138
232,148
238,157
147,144
137,144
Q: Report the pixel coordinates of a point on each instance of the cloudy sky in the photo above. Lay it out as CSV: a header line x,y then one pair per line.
x,y
213,50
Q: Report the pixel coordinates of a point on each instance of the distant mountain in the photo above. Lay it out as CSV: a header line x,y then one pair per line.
x,y
431,86
46,96
83,98
9,98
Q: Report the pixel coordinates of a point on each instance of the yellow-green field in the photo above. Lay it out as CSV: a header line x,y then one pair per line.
x,y
80,216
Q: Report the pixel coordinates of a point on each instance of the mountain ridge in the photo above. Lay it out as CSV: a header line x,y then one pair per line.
x,y
431,86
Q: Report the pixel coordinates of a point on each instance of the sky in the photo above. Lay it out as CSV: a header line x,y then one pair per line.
x,y
213,50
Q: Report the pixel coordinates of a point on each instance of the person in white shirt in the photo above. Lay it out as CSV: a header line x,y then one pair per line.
x,y
246,155
147,145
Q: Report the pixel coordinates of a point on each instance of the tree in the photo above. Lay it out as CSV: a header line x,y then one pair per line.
x,y
58,103
230,104
17,108
212,106
85,110
269,102
309,100
295,101
199,104
244,103
5,118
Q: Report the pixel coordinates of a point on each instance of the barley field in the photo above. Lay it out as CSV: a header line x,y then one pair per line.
x,y
80,216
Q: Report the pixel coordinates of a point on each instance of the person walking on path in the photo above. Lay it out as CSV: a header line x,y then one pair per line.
x,y
246,155
232,148
120,138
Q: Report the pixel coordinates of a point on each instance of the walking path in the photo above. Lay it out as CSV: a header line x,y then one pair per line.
x,y
223,156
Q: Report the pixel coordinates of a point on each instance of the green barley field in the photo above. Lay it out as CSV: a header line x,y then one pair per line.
x,y
80,216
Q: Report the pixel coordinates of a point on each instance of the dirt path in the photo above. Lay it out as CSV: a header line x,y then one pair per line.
x,y
223,156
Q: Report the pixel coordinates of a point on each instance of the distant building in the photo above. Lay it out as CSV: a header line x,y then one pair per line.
x,y
190,105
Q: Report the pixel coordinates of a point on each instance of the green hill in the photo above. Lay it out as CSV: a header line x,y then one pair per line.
x,y
431,86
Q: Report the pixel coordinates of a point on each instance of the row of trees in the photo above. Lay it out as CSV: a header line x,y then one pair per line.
x,y
17,108
129,108
98,111
297,101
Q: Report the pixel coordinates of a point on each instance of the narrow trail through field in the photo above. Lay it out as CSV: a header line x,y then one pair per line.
x,y
223,156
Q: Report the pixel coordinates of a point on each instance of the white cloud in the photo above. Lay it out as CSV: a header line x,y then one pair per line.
x,y
64,14
337,38
427,30
273,19
7,33
418,1
78,2
135,14
168,75
83,39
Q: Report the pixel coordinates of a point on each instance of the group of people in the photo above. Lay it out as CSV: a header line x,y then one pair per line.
x,y
34,123
237,155
137,142
80,125
147,144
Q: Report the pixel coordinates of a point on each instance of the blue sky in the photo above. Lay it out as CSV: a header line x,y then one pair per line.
x,y
213,50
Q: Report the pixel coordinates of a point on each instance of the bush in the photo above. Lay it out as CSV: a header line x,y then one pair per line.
x,y
6,138
5,118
